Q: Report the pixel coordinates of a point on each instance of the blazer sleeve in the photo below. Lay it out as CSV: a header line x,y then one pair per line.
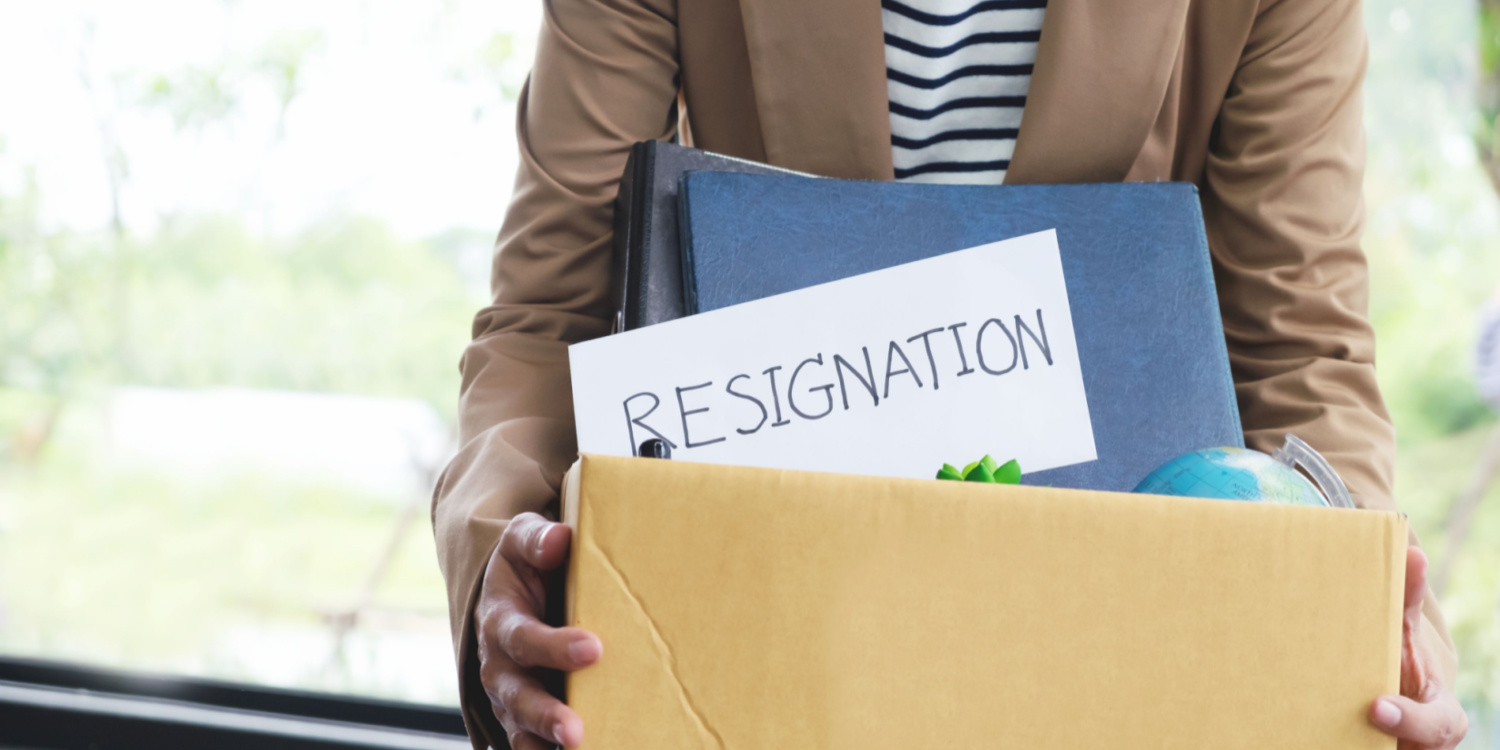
x,y
1283,203
605,76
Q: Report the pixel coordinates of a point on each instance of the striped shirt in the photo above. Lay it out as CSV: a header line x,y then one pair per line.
x,y
957,72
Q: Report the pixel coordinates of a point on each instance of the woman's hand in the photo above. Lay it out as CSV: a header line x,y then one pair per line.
x,y
1426,716
514,642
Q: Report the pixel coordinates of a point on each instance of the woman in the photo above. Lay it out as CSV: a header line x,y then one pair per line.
x,y
1257,102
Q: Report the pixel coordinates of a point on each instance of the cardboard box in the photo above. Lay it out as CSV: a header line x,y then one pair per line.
x,y
754,608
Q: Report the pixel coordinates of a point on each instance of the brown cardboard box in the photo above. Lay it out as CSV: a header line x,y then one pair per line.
x,y
752,608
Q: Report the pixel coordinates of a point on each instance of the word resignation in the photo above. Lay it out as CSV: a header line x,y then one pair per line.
x,y
887,373
775,397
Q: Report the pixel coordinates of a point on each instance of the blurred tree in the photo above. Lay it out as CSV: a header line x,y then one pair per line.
x,y
1487,361
498,61
282,63
1487,134
197,97
344,307
105,100
54,334
502,63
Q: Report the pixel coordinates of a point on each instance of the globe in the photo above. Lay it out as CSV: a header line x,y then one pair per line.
x,y
1232,474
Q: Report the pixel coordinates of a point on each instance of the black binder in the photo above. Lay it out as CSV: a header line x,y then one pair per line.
x,y
647,273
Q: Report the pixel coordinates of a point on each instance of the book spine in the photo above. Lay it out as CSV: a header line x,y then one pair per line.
x,y
644,206
620,260
630,215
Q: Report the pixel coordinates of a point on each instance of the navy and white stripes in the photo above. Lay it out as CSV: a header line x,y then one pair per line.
x,y
957,72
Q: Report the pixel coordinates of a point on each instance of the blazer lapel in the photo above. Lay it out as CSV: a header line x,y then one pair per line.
x,y
818,71
1101,73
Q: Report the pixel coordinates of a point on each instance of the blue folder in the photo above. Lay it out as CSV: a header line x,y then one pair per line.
x,y
1134,256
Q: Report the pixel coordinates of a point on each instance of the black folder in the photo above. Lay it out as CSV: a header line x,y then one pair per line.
x,y
647,255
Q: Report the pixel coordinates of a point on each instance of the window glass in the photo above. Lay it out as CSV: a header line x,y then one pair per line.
x,y
240,248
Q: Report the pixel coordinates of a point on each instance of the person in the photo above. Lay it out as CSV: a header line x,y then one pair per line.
x,y
1256,102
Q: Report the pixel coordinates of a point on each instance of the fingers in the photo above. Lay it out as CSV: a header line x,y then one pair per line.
x,y
1434,720
531,716
513,640
1416,586
535,542
1439,723
1413,670
530,642
514,596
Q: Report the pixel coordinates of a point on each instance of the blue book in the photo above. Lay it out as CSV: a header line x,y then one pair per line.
x,y
1135,259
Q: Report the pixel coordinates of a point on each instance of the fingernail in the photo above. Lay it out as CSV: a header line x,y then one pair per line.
x,y
1386,714
557,733
584,650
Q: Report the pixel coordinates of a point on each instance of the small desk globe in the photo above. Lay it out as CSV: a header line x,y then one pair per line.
x,y
1240,474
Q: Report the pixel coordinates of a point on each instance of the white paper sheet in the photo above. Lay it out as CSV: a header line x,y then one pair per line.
x,y
890,373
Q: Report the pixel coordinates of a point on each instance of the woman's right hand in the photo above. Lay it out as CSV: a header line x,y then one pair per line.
x,y
514,642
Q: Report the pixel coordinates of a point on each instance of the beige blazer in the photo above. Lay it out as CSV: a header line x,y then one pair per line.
x,y
1257,102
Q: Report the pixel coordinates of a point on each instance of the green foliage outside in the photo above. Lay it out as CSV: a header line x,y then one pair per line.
x,y
130,566
244,576
204,301
1487,95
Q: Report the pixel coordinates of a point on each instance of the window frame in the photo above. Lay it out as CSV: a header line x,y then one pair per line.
x,y
50,705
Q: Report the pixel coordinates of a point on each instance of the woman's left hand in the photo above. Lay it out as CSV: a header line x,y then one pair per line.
x,y
1426,715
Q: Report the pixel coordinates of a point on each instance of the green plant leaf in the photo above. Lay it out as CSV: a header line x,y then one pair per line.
x,y
979,474
1009,473
984,470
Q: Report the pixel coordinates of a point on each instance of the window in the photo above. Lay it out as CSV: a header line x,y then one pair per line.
x,y
240,248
